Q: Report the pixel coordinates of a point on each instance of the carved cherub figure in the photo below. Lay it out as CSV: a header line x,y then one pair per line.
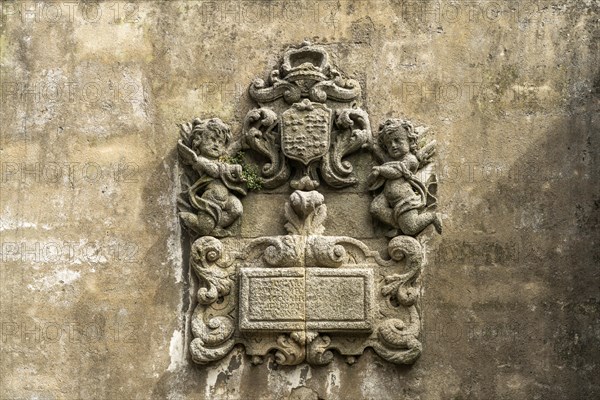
x,y
209,204
404,197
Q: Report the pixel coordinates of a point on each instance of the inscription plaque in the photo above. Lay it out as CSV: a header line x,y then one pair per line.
x,y
340,299
272,299
286,299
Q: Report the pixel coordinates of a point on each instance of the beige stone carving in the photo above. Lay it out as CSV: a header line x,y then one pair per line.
x,y
402,196
303,295
208,205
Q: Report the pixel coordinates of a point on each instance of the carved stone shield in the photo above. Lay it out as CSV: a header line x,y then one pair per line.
x,y
305,129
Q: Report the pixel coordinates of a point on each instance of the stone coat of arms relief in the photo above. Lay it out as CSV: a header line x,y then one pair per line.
x,y
302,296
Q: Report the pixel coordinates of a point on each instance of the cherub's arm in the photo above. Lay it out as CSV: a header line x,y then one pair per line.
x,y
391,170
202,165
209,167
233,171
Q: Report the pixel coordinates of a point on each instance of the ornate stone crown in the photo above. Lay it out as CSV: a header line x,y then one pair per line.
x,y
307,62
305,72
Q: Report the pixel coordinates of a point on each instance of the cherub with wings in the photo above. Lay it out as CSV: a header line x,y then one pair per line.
x,y
404,197
209,204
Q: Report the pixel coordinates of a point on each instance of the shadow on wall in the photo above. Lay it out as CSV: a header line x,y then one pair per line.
x,y
550,204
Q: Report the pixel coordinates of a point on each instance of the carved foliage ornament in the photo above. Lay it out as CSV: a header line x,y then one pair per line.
x,y
304,295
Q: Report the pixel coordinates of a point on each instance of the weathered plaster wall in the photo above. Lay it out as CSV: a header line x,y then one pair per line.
x,y
92,287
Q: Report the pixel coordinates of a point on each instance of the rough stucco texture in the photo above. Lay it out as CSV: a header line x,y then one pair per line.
x,y
93,286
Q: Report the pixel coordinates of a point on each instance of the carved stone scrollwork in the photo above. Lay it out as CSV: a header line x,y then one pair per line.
x,y
318,351
311,290
398,340
338,89
261,136
212,337
305,72
305,296
321,125
353,132
212,326
289,350
206,252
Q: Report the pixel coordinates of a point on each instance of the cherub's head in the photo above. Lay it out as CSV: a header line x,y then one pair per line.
x,y
210,137
397,137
